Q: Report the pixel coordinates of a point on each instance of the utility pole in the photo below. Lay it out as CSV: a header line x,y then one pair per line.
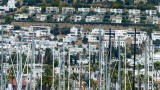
x,y
119,65
133,86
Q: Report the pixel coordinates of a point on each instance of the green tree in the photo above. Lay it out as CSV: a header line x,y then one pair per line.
x,y
157,67
8,19
156,42
47,77
49,1
16,27
85,40
55,31
48,58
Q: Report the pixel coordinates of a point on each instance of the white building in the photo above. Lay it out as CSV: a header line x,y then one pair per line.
x,y
116,18
4,9
21,16
76,18
155,35
152,19
74,31
58,18
134,18
34,10
68,10
134,12
11,4
116,11
158,8
52,9
41,17
7,27
94,18
39,31
84,10
151,12
138,1
140,36
100,10
69,38
94,34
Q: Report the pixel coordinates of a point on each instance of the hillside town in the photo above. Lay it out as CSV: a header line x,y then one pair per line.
x,y
79,45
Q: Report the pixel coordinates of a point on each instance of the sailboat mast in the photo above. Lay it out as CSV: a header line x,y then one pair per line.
x,y
119,65
145,76
89,68
32,59
69,70
108,57
53,70
2,60
125,67
152,55
100,59
63,66
133,84
59,79
20,65
41,70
